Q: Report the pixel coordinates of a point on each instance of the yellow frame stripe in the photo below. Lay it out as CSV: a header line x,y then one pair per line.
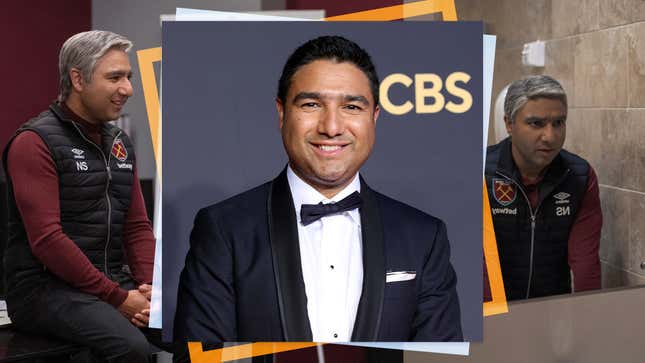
x,y
403,11
498,304
198,355
147,58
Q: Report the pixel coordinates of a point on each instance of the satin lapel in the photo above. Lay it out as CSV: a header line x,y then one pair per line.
x,y
368,317
286,262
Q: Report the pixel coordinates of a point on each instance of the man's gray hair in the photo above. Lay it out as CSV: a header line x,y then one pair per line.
x,y
530,88
81,51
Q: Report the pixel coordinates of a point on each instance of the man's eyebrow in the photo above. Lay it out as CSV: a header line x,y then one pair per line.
x,y
534,119
543,119
306,95
118,73
317,96
357,98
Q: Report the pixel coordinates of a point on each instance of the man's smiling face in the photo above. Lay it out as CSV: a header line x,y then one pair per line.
x,y
327,123
103,97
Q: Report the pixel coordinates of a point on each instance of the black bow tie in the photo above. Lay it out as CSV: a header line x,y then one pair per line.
x,y
310,213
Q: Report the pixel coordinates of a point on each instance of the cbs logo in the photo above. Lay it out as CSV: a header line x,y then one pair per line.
x,y
428,96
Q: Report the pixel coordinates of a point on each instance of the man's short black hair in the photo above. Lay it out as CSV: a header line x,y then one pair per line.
x,y
334,48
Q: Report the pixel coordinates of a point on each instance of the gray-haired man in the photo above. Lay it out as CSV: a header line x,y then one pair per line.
x,y
75,207
544,199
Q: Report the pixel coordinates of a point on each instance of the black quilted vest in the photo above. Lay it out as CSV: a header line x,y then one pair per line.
x,y
533,244
95,184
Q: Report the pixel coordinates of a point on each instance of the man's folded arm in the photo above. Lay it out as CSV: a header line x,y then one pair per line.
x,y
206,295
35,186
438,316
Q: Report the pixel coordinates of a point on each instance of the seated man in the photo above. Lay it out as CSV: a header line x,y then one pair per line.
x,y
75,207
544,199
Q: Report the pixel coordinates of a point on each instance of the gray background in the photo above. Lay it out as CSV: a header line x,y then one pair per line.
x,y
221,136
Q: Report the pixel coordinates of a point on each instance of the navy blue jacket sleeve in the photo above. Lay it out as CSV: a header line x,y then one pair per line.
x,y
438,317
206,296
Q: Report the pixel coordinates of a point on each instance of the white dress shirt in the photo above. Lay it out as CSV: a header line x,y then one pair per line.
x,y
331,255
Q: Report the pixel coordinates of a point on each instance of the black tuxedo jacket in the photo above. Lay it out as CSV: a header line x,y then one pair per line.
x,y
242,281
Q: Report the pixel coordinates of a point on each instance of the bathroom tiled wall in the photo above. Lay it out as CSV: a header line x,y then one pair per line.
x,y
596,49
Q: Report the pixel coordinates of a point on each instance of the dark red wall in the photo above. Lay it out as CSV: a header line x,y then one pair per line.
x,y
31,34
340,7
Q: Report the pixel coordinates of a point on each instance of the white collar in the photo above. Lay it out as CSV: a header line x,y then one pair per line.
x,y
303,193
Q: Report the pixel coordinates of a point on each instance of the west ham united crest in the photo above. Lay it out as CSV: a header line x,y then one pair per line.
x,y
119,151
504,192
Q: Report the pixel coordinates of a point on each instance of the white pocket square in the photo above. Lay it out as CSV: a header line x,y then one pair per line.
x,y
397,276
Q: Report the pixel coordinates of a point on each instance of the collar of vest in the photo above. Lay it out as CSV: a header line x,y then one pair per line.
x,y
555,174
107,130
59,113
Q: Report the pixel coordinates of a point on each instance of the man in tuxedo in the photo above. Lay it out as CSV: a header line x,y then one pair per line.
x,y
316,254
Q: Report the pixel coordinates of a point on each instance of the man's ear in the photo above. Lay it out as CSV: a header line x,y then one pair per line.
x,y
280,108
509,124
377,111
77,79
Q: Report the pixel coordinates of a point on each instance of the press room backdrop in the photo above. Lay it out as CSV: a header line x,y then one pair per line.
x,y
221,135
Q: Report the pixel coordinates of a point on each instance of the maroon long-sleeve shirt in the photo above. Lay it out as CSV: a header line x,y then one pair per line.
x,y
35,185
584,238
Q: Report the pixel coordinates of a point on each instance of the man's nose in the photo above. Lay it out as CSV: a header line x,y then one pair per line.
x,y
125,89
549,132
331,123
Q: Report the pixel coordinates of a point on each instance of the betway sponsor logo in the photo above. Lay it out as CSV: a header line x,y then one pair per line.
x,y
511,211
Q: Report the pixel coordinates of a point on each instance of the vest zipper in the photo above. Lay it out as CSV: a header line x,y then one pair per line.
x,y
533,215
109,203
528,288
106,160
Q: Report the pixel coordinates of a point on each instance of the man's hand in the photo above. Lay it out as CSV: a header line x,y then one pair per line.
x,y
136,304
146,290
141,319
